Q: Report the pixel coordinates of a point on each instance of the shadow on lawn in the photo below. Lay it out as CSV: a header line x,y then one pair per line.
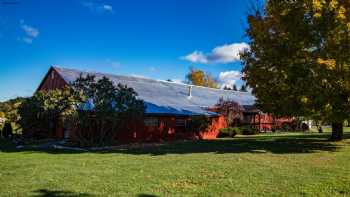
x,y
50,193
278,144
146,195
55,193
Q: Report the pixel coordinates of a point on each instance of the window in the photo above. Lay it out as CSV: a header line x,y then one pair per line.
x,y
180,122
154,122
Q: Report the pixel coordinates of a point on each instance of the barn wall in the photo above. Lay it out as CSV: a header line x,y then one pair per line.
x,y
267,121
212,132
52,81
165,130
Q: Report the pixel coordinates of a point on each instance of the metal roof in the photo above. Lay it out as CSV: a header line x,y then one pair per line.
x,y
162,97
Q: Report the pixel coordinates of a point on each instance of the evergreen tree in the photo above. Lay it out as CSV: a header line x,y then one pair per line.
x,y
234,87
243,88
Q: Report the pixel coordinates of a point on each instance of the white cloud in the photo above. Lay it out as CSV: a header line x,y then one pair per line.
x,y
152,68
97,7
108,8
30,32
27,40
197,57
222,54
228,78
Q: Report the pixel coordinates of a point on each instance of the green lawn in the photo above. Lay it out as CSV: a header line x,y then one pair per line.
x,y
329,129
288,164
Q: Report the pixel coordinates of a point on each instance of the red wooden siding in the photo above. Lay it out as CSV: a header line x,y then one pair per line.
x,y
166,129
52,81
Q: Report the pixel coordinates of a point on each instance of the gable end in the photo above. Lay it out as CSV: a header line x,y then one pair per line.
x,y
52,80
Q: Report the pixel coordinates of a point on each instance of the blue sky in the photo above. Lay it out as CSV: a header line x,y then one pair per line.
x,y
157,39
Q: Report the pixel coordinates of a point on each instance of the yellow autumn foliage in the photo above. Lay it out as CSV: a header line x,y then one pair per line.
x,y
329,63
304,99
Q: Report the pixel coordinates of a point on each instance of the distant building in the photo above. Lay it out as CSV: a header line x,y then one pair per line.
x,y
169,105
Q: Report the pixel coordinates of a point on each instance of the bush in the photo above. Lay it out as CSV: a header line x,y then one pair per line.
x,y
286,127
198,124
228,132
248,130
232,131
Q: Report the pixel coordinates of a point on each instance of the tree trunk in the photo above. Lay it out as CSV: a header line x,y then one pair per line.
x,y
337,131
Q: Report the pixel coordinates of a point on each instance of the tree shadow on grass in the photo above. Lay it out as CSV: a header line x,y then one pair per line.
x,y
276,144
56,193
146,195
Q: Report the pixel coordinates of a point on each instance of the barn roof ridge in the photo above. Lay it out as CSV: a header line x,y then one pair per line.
x,y
145,78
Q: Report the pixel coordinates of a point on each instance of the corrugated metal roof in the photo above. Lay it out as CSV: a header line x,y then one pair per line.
x,y
162,97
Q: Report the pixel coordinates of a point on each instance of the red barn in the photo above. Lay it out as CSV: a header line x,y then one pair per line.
x,y
169,105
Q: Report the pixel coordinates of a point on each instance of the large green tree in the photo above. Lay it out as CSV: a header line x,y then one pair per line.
x,y
40,114
299,58
9,108
105,109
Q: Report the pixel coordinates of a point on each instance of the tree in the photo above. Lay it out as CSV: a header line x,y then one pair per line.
x,y
210,81
227,88
243,88
10,108
40,114
234,87
104,110
230,109
200,78
2,118
298,62
7,131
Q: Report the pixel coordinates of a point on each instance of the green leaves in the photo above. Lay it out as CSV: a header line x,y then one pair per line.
x,y
40,113
298,62
112,109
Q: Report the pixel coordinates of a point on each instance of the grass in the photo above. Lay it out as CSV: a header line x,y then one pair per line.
x,y
287,164
329,129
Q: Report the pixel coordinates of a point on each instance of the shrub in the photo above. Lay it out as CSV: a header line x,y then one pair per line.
x,y
248,130
198,124
228,132
286,127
